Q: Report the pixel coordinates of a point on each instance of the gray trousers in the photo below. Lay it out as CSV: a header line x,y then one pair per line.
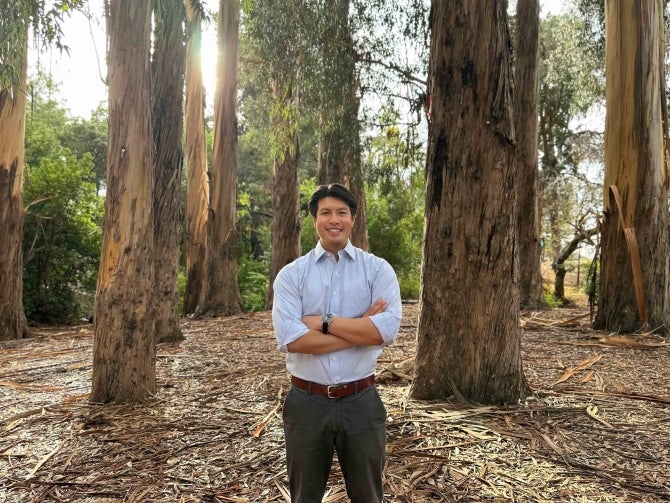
x,y
316,426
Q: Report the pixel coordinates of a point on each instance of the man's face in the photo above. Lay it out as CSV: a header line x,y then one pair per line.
x,y
333,223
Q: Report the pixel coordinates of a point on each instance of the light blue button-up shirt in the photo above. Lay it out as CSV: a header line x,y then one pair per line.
x,y
317,283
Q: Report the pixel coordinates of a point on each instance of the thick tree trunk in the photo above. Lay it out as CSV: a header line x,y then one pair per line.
x,y
12,134
468,333
286,189
339,159
197,181
124,346
222,296
167,114
634,165
525,117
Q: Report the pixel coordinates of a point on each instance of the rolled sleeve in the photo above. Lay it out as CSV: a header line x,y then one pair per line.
x,y
287,309
387,288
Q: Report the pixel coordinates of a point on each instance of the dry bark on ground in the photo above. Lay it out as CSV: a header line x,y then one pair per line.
x,y
595,430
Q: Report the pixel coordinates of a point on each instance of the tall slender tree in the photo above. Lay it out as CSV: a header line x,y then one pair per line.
x,y
470,239
277,36
124,347
339,157
222,295
527,72
197,181
15,19
635,259
167,95
285,185
12,134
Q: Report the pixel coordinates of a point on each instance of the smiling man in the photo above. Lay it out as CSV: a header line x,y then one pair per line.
x,y
334,310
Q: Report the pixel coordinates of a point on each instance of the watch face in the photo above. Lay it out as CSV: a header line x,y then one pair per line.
x,y
327,318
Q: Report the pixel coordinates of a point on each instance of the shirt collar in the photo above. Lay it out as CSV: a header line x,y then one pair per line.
x,y
349,250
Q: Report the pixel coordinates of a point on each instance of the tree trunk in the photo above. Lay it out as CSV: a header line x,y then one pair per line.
x,y
468,333
339,159
634,165
222,292
525,118
197,181
286,189
124,347
167,114
12,214
359,234
558,265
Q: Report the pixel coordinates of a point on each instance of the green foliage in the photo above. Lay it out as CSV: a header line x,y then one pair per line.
x,y
571,83
253,282
90,136
593,29
308,236
62,237
551,301
181,281
394,164
49,129
62,232
16,16
395,230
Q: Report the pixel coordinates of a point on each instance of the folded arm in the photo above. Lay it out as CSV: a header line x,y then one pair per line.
x,y
343,331
316,342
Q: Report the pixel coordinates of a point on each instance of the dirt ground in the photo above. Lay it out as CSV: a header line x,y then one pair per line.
x,y
595,430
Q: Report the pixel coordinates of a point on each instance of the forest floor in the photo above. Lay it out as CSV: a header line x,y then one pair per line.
x,y
596,428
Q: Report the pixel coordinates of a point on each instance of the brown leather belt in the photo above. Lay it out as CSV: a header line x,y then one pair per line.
x,y
333,391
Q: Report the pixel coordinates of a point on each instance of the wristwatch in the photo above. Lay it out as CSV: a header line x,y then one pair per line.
x,y
326,319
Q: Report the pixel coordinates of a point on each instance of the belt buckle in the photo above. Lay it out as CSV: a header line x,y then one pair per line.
x,y
333,387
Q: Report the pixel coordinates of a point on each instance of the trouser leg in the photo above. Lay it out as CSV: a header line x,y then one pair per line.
x,y
309,445
360,443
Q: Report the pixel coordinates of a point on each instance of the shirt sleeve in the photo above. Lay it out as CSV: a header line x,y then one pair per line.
x,y
287,309
386,287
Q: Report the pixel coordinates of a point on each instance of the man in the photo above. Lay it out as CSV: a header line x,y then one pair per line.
x,y
334,310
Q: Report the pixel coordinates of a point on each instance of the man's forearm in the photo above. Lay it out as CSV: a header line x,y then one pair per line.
x,y
315,342
357,331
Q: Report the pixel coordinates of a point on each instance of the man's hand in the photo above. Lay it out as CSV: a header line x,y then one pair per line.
x,y
313,321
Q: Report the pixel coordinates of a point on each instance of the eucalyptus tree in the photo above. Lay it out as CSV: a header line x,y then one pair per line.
x,y
635,259
221,296
340,130
275,36
468,333
167,95
124,347
197,181
16,18
526,92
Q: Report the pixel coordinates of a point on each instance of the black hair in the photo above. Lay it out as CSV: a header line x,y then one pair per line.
x,y
336,190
